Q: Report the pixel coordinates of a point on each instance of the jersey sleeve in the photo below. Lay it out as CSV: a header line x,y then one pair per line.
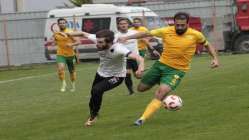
x,y
145,29
120,50
157,32
201,39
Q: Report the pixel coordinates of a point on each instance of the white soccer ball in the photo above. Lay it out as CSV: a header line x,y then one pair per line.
x,y
172,102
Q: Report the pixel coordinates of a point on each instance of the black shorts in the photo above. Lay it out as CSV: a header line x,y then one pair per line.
x,y
106,83
132,64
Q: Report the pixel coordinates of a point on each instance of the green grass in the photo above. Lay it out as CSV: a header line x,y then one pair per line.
x,y
216,106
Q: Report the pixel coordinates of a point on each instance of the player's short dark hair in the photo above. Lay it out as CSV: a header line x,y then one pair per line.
x,y
181,16
123,19
107,34
139,19
61,19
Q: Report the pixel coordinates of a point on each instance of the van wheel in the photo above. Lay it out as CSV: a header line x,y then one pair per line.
x,y
241,44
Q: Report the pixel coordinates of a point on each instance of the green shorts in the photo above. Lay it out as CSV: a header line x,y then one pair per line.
x,y
142,53
69,61
160,73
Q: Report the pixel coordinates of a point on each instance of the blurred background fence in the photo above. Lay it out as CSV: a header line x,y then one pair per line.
x,y
22,34
22,38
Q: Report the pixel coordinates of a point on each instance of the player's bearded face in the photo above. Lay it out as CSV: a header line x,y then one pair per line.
x,y
181,26
62,24
101,44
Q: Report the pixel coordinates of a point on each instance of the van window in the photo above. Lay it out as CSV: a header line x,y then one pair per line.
x,y
151,22
93,25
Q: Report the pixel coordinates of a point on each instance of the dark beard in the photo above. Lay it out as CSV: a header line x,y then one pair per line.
x,y
103,48
181,32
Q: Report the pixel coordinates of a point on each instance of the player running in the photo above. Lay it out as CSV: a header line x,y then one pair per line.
x,y
112,68
132,45
179,43
66,46
143,43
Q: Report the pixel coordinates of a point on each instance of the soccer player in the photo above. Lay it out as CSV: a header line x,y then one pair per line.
x,y
143,43
132,66
111,70
179,46
66,46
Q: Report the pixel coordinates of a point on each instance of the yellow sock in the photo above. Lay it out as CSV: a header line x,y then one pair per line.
x,y
152,107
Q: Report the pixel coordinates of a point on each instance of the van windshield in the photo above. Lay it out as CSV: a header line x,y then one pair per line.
x,y
93,25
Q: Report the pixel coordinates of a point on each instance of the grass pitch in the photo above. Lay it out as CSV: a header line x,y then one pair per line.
x,y
216,106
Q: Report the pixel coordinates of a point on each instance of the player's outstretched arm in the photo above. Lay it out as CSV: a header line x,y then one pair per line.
x,y
79,33
140,61
134,36
213,54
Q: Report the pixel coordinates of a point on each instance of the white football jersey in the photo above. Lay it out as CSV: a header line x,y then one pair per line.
x,y
112,60
131,44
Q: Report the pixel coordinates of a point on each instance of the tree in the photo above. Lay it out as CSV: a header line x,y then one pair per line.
x,y
78,3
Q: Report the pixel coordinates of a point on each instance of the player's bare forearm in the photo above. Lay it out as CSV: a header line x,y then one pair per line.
x,y
75,43
213,54
140,61
134,36
211,51
52,40
139,35
79,33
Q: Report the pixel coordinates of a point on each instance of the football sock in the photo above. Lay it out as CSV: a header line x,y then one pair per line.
x,y
63,86
73,87
152,107
64,83
128,82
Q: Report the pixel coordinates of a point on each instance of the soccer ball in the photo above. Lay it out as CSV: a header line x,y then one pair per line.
x,y
172,102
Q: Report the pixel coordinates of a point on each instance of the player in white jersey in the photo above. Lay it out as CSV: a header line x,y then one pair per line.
x,y
111,70
132,45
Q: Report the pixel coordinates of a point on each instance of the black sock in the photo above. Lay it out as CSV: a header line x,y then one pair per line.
x,y
129,83
95,101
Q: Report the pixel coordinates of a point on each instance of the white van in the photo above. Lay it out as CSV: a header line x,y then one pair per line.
x,y
92,18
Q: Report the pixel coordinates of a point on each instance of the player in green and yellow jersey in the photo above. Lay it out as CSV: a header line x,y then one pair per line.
x,y
66,46
143,43
179,46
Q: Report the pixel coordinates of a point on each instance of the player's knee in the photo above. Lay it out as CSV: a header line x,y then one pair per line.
x,y
61,73
141,87
159,95
96,91
162,92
